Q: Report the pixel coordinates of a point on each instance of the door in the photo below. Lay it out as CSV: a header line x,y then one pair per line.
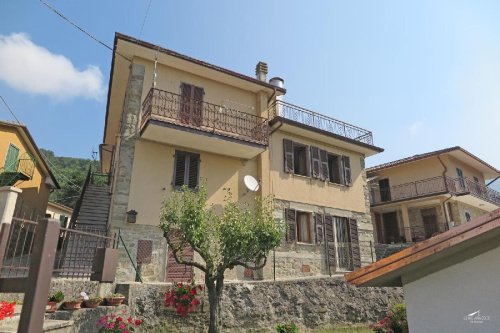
x,y
430,222
391,228
385,191
11,159
461,180
191,108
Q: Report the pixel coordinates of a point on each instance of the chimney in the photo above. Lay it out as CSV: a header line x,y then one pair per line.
x,y
261,71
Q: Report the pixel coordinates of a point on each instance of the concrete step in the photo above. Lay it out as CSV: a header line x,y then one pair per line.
x,y
9,325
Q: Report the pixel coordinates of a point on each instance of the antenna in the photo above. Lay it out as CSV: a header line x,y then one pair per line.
x,y
251,183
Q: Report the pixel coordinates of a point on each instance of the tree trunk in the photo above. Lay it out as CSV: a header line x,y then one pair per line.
x,y
214,287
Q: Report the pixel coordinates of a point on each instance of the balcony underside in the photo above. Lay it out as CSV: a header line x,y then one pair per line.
x,y
476,201
199,138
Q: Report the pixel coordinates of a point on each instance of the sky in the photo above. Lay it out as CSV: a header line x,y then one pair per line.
x,y
421,75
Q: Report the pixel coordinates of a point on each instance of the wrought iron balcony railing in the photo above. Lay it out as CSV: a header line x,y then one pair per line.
x,y
319,121
431,186
173,108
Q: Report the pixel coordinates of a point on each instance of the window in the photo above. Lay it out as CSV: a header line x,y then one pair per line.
x,y
191,110
11,158
334,169
461,179
186,169
304,227
467,216
296,158
341,236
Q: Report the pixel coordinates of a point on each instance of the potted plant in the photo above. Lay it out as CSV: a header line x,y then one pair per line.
x,y
73,304
52,301
92,302
114,299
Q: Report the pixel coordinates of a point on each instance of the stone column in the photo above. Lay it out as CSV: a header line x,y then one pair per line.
x,y
8,198
406,222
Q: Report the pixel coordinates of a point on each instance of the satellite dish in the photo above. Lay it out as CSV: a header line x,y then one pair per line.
x,y
251,183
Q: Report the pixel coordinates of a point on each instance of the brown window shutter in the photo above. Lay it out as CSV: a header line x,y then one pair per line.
x,y
291,231
353,233
197,112
193,170
318,227
330,251
179,168
315,162
346,163
308,161
288,155
185,107
323,157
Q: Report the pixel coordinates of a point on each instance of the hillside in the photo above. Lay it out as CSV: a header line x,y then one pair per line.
x,y
70,173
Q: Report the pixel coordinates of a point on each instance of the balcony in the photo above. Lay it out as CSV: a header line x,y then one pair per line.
x,y
321,122
434,186
170,118
21,170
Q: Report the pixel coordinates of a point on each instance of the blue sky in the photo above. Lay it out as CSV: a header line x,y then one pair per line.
x,y
421,75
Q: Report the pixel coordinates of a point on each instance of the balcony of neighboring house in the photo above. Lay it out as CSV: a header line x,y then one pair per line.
x,y
17,169
465,189
305,117
179,120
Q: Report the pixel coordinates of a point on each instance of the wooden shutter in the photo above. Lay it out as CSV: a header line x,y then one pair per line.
x,y
179,168
323,157
291,232
288,155
353,233
185,107
330,251
11,158
346,163
197,111
315,162
318,227
308,161
193,170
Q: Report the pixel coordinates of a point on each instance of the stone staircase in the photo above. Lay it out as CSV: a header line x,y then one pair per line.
x,y
94,208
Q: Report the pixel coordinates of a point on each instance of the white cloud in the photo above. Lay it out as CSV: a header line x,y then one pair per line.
x,y
34,69
415,127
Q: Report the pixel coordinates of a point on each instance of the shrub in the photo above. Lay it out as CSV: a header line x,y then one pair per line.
x,y
114,323
57,297
183,298
6,309
287,328
394,322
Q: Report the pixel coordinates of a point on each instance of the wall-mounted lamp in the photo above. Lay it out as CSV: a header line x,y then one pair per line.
x,y
131,216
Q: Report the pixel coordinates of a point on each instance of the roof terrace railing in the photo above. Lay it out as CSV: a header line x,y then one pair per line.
x,y
319,121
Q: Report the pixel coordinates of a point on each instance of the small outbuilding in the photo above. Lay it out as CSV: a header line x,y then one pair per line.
x,y
451,282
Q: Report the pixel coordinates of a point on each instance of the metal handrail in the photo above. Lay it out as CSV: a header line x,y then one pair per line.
x,y
319,121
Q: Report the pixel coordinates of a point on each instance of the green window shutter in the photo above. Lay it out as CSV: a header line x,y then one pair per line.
x,y
11,158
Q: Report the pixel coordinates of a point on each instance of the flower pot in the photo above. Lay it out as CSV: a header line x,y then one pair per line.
x,y
51,307
114,301
72,305
91,304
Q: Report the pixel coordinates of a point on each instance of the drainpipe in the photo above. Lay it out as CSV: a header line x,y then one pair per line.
x,y
492,181
446,187
277,128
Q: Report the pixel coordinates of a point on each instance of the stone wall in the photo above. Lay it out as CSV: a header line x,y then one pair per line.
x,y
459,211
385,250
258,306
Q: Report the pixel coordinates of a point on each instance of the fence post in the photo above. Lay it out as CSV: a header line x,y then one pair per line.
x,y
39,276
8,198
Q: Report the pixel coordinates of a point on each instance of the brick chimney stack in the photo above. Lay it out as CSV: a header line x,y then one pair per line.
x,y
261,71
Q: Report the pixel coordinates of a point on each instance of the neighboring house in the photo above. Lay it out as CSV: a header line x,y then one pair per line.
x,y
450,281
59,212
23,166
172,120
417,197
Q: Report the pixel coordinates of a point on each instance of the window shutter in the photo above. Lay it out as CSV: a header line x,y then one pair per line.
x,y
330,251
318,227
193,171
288,155
346,163
353,233
323,157
197,114
308,161
179,168
315,162
291,232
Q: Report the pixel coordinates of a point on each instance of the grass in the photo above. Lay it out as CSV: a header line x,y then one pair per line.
x,y
347,330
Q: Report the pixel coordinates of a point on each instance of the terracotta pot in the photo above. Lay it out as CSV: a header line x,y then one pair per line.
x,y
91,304
114,301
51,307
72,305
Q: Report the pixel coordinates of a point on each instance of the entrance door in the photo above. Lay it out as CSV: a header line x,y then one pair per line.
x,y
391,228
385,191
430,222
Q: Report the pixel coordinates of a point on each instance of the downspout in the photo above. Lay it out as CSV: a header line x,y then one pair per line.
x,y
446,187
492,181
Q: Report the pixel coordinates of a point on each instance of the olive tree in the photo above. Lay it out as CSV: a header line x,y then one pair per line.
x,y
236,235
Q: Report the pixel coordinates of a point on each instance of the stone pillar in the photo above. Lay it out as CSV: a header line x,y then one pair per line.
x,y
8,198
406,222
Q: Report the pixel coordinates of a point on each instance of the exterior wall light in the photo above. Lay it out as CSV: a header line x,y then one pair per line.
x,y
131,216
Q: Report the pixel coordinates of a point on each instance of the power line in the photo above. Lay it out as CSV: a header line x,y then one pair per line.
x,y
10,110
145,17
60,174
81,29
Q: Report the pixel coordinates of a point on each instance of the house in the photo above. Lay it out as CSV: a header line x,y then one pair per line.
x,y
23,167
59,212
173,120
450,281
417,197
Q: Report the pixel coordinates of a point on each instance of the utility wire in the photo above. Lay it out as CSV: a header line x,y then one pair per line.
x,y
60,174
145,18
10,110
81,29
